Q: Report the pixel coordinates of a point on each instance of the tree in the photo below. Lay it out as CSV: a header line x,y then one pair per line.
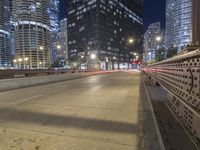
x,y
59,63
172,51
160,54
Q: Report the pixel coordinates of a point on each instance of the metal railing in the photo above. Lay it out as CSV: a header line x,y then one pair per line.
x,y
180,75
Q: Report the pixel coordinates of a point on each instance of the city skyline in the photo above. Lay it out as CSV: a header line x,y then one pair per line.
x,y
177,33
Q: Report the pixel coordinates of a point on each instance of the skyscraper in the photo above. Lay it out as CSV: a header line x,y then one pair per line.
x,y
178,23
62,39
103,27
5,48
31,33
53,12
153,40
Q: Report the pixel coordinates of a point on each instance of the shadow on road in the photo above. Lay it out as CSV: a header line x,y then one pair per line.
x,y
24,116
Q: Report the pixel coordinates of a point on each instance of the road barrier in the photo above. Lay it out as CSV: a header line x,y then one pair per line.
x,y
180,75
39,77
10,73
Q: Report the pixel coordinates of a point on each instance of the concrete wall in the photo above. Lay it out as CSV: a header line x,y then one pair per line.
x,y
10,84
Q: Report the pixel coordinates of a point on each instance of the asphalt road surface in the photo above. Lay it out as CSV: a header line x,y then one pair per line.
x,y
103,112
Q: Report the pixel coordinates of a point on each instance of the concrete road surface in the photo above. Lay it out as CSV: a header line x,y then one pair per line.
x,y
104,112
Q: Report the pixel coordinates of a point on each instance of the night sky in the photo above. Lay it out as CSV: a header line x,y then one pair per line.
x,y
154,10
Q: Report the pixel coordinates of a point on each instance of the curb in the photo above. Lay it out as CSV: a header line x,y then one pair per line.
x,y
162,146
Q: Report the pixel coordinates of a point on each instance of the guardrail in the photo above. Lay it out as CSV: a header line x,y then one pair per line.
x,y
180,75
10,73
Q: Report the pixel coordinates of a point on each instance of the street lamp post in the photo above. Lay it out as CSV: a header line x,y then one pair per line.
x,y
93,58
25,62
20,62
40,64
15,62
158,40
107,63
113,63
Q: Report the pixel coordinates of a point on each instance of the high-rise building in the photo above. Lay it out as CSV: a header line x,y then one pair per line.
x,y
5,48
154,39
103,27
62,39
53,15
53,12
31,33
178,23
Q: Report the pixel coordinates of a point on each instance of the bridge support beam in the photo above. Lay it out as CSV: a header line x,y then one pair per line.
x,y
196,22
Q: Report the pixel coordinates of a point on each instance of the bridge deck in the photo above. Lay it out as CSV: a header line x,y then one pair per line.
x,y
104,112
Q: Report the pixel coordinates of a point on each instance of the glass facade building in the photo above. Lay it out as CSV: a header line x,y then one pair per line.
x,y
5,36
62,41
53,12
178,23
53,15
31,33
151,45
104,27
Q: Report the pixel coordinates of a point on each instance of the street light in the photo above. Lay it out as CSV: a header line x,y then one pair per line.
x,y
41,47
58,47
158,38
131,40
20,61
40,64
93,56
15,60
107,59
26,59
25,64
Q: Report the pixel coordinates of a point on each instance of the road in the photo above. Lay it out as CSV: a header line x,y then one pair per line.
x,y
103,112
